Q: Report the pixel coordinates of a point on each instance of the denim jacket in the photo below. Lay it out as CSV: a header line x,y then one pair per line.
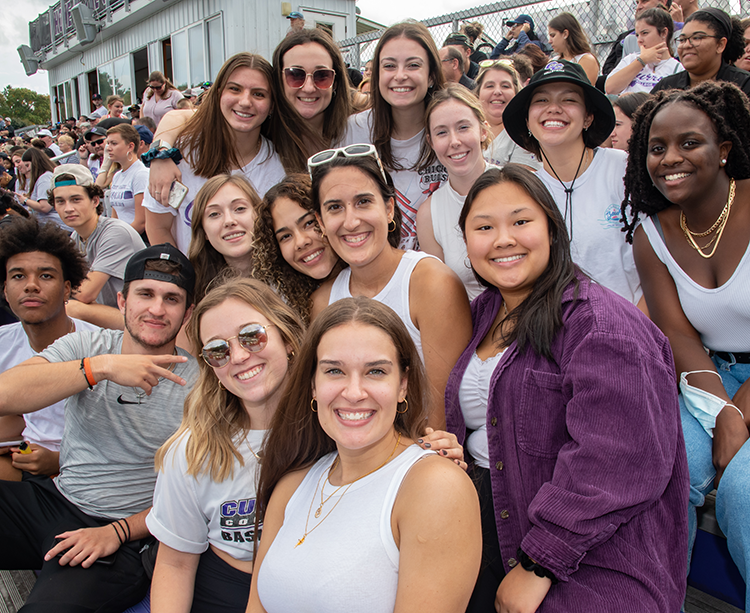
x,y
587,459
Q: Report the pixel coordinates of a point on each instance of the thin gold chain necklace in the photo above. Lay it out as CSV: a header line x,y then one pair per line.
x,y
348,485
719,225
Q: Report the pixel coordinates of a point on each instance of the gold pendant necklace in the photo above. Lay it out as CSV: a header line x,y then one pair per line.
x,y
347,485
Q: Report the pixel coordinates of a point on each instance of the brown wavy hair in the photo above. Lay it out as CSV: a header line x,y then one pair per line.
x,y
213,417
269,265
382,119
296,439
290,131
207,262
207,142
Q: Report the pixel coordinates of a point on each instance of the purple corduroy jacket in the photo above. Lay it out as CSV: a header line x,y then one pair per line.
x,y
587,459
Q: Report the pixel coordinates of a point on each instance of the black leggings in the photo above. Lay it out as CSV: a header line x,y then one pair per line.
x,y
219,586
492,571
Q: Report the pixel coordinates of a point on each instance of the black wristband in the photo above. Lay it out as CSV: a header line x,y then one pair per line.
x,y
534,567
114,524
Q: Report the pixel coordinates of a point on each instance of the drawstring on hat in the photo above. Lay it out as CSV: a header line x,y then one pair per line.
x,y
568,190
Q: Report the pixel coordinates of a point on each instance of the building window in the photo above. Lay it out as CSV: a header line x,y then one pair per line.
x,y
114,78
215,46
197,53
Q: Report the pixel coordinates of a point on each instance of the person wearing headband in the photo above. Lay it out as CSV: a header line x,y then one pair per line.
x,y
709,43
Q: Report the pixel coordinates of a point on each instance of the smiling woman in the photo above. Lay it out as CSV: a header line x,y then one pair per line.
x,y
688,172
405,521
291,253
208,468
563,119
222,230
551,442
406,73
223,136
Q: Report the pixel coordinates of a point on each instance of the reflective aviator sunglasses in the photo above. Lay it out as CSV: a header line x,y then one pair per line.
x,y
253,338
322,77
360,150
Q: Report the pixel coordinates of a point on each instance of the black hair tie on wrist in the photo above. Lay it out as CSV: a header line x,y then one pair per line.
x,y
534,567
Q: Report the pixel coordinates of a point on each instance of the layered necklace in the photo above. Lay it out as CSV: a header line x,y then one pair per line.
x,y
324,499
718,226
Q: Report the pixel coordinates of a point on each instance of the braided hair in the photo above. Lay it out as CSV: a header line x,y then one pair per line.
x,y
729,110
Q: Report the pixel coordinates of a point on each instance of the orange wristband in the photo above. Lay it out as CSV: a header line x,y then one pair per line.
x,y
88,373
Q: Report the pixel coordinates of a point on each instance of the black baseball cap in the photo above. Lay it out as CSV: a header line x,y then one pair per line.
x,y
517,111
95,131
136,268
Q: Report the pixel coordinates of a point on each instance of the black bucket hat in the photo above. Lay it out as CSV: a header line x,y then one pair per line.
x,y
517,112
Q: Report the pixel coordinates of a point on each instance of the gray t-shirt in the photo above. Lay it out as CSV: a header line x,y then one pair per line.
x,y
109,442
108,250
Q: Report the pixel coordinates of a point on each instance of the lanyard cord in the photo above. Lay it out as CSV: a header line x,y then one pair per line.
x,y
568,190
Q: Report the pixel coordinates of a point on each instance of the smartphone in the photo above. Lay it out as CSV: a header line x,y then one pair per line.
x,y
177,194
10,443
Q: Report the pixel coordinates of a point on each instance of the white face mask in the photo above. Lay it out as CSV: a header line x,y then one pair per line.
x,y
703,405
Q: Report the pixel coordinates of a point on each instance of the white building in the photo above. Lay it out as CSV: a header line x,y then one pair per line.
x,y
188,40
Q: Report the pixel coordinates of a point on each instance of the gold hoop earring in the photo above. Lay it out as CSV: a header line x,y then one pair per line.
x,y
289,356
312,408
393,229
406,402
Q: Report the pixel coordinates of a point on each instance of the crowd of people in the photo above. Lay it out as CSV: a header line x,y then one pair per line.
x,y
443,336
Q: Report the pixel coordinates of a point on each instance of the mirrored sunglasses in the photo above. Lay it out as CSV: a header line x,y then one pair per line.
x,y
253,338
322,77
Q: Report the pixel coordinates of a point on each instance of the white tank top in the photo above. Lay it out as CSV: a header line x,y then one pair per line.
x,y
473,396
395,294
445,207
721,315
350,561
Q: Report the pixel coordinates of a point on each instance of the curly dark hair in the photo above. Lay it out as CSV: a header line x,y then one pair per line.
x,y
269,265
729,110
27,235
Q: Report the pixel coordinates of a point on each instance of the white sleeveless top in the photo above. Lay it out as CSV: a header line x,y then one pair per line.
x,y
721,315
445,207
395,294
349,562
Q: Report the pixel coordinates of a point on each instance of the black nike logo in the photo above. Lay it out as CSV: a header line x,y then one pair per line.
x,y
121,401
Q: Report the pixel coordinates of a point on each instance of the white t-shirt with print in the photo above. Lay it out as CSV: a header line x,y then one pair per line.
x,y
191,512
597,243
45,426
649,75
264,171
412,187
126,185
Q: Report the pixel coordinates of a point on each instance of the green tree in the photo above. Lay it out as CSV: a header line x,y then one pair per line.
x,y
24,106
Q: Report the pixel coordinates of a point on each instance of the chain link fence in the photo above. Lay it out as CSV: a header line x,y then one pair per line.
x,y
602,20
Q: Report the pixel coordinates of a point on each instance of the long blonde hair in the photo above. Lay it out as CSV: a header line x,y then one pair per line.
x,y
207,262
213,417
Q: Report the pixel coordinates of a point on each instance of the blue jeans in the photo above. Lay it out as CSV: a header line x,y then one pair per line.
x,y
733,494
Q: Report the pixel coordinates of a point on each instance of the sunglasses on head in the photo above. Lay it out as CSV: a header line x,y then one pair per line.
x,y
253,338
351,151
491,63
322,77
